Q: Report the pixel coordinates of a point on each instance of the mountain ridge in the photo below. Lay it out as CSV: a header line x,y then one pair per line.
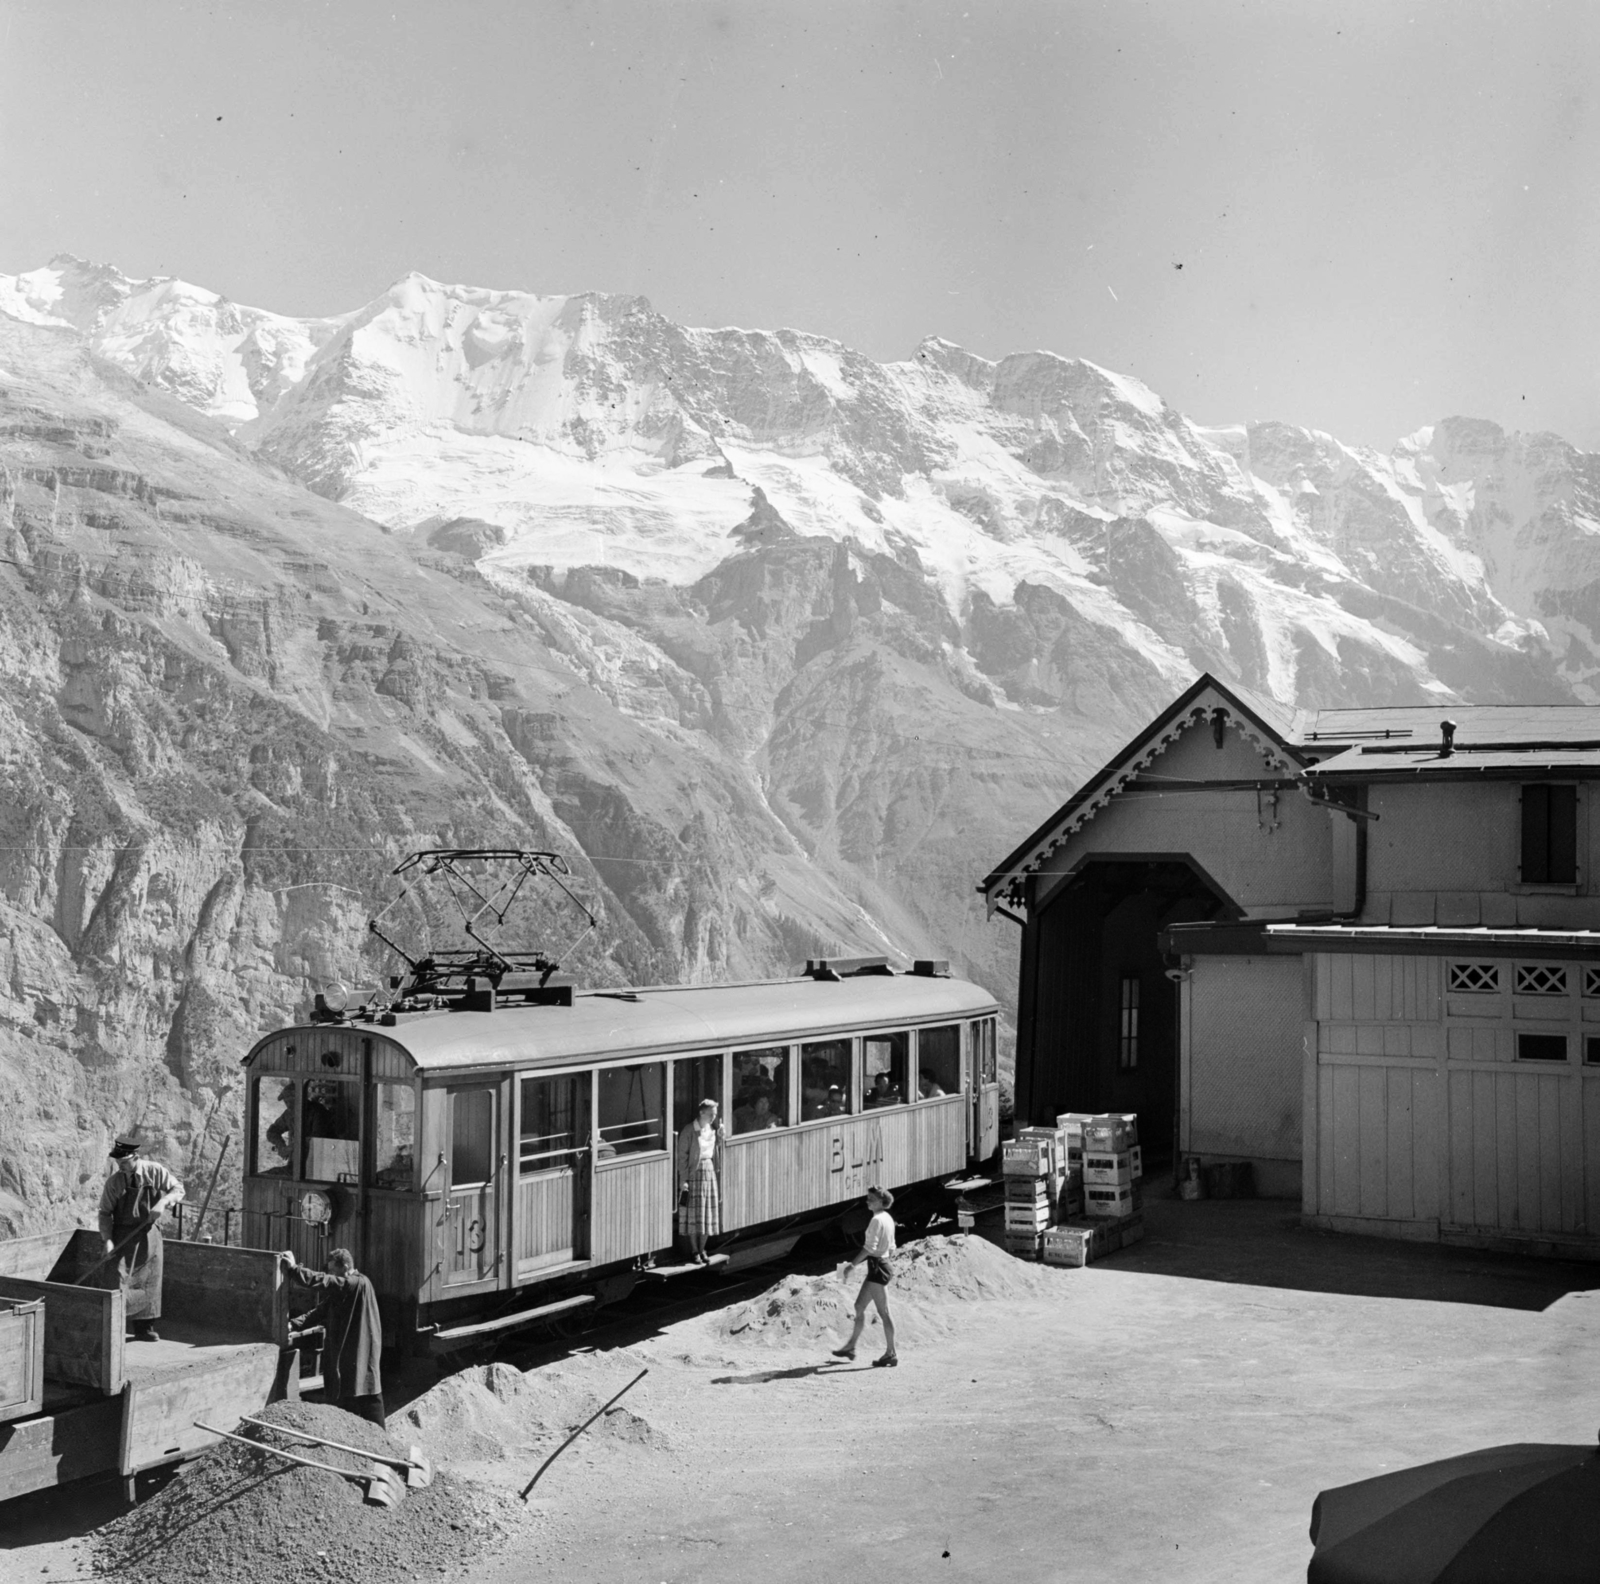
x,y
782,645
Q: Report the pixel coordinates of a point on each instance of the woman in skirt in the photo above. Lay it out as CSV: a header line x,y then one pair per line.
x,y
877,1248
700,1199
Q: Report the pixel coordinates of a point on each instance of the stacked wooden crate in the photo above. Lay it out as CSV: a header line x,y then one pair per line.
x,y
1105,1148
1031,1164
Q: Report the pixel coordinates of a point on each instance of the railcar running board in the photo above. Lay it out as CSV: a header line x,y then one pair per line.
x,y
688,1268
444,1341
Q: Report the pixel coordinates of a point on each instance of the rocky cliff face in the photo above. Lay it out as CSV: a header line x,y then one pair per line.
x,y
785,647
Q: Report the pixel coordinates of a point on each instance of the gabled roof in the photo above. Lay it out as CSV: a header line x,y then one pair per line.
x,y
1272,726
1487,725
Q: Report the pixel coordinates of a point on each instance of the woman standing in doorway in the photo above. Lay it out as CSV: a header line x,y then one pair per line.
x,y
700,1199
876,1249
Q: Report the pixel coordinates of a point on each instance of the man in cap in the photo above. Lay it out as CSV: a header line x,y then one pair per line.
x,y
138,1194
353,1333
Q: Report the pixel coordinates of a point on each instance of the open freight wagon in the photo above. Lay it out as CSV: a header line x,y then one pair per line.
x,y
78,1399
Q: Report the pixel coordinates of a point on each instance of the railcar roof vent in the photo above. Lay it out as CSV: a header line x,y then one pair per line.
x,y
846,967
931,967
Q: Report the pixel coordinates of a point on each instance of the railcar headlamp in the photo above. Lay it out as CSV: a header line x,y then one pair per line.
x,y
316,1209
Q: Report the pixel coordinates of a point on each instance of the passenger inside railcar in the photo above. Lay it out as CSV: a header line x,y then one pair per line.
x,y
825,1078
275,1146
884,1057
939,1061
755,1116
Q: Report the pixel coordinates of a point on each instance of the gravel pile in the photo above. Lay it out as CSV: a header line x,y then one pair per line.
x,y
240,1516
931,1278
495,1412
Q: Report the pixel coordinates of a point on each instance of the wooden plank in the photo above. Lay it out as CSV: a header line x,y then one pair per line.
x,y
1310,1120
1571,1120
1525,1087
1462,1136
543,1220
1342,988
1322,1001
21,1358
1372,1135
1363,989
1503,1207
31,1257
160,1413
1346,1141
56,1448
84,1331
241,1292
1590,1155
1427,1099
1326,1197
1551,1087
1399,1165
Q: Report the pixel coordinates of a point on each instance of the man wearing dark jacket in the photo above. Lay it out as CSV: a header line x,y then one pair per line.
x,y
348,1312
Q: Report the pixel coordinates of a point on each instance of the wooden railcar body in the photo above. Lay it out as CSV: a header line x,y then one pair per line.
x,y
487,1165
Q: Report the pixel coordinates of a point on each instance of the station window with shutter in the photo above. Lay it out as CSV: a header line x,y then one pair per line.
x,y
1591,981
1549,834
1474,978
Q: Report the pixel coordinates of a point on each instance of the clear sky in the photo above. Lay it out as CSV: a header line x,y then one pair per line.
x,y
1383,212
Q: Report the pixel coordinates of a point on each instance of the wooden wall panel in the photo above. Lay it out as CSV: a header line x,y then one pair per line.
x,y
392,1246
543,1220
633,1208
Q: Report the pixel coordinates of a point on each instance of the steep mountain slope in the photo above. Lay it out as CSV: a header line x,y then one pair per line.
x,y
784,645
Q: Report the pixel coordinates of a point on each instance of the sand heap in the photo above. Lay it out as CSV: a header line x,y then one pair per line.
x,y
239,1516
494,1412
932,1278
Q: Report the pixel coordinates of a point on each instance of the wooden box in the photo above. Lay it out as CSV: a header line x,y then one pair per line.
x,y
1074,1245
1107,1171
1027,1218
1108,1201
1108,1135
1027,1190
1026,1158
21,1358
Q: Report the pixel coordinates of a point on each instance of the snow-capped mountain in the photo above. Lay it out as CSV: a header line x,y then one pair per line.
x,y
591,430
782,645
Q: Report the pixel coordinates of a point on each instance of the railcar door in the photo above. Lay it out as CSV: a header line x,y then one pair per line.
x,y
983,1081
472,1222
552,1180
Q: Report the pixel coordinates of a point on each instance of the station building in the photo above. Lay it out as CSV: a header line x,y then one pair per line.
x,y
1359,948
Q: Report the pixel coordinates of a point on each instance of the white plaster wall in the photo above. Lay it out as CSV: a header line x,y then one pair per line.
x,y
1243,1058
1273,859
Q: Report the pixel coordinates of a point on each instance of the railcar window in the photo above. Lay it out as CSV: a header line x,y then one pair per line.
x,y
885,1058
825,1079
471,1136
549,1138
275,1134
331,1122
632,1116
939,1061
394,1137
990,1062
761,1089
695,1078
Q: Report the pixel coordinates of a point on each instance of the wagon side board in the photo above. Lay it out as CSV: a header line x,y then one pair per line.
x,y
158,1415
83,1331
240,1291
54,1448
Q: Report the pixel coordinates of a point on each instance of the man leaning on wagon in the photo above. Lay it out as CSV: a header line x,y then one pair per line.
x,y
134,1199
352,1333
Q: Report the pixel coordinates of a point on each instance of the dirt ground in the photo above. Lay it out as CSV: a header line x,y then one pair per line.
x,y
1170,1413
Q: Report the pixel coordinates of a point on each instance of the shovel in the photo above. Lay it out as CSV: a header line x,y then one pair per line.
x,y
414,1465
384,1488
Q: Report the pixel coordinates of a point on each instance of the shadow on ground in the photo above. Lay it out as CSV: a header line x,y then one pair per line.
x,y
1261,1243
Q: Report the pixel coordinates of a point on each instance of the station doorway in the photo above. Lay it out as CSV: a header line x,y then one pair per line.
x,y
1101,1033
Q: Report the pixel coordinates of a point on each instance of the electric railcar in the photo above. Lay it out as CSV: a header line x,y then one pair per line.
x,y
500,1157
